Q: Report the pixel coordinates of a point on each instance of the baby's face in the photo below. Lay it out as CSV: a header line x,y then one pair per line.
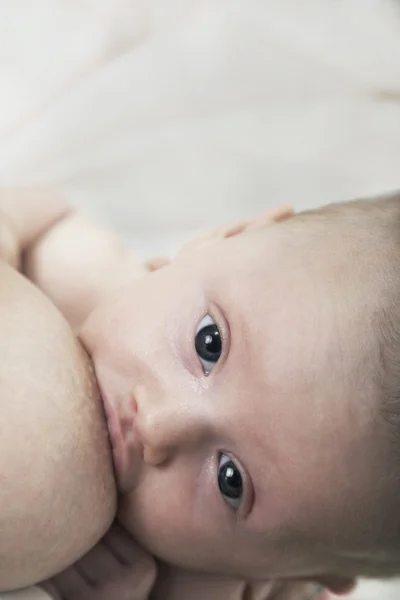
x,y
57,493
229,379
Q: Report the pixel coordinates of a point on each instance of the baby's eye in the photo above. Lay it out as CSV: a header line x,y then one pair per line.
x,y
230,481
208,344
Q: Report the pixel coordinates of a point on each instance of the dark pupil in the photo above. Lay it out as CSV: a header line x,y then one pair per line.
x,y
208,343
230,480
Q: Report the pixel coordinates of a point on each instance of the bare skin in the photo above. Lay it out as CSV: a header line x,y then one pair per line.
x,y
51,414
58,493
76,293
184,418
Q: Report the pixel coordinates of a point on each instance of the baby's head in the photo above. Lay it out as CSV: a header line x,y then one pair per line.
x,y
57,493
252,389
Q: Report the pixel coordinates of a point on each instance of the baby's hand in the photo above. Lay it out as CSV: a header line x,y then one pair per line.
x,y
273,215
116,569
301,591
177,584
74,261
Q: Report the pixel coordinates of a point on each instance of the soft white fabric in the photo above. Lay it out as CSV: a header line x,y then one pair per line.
x,y
167,116
183,113
371,590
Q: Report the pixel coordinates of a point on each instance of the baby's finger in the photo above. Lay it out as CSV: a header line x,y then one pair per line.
x,y
201,239
71,585
274,215
279,213
158,262
50,589
99,565
213,235
140,568
300,591
124,547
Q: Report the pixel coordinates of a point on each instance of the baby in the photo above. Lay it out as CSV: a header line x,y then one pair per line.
x,y
250,389
58,495
253,405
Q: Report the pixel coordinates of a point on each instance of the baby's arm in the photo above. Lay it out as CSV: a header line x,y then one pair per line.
x,y
115,569
25,216
75,262
125,574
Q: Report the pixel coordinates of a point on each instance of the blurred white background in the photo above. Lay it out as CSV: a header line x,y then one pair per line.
x,y
167,116
162,117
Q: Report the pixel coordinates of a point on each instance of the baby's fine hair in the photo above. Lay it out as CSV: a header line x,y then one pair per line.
x,y
369,231
374,225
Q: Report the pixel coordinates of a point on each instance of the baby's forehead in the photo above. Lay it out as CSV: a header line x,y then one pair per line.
x,y
257,264
297,289
291,267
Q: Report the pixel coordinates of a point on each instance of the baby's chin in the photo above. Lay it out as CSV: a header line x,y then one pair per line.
x,y
58,493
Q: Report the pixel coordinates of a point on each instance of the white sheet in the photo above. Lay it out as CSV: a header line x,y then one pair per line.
x,y
167,116
181,114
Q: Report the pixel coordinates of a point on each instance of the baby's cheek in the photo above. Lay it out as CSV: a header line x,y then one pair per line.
x,y
154,522
126,513
140,515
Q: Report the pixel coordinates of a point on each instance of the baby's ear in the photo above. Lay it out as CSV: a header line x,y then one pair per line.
x,y
280,213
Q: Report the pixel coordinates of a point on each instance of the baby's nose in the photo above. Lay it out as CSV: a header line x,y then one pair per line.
x,y
165,432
